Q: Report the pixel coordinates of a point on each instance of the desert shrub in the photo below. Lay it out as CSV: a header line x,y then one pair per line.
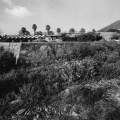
x,y
7,61
110,70
22,62
81,51
32,94
98,47
12,81
113,57
112,46
74,84
79,70
5,108
91,101
100,57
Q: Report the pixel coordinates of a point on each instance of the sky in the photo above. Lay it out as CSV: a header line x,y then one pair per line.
x,y
64,14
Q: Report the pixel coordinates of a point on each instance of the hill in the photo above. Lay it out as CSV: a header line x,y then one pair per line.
x,y
115,25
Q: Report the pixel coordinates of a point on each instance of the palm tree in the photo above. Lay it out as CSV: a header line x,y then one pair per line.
x,y
58,31
48,28
72,31
93,30
34,27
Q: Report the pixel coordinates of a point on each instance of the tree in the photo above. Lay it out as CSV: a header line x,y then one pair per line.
x,y
93,30
58,31
22,31
27,33
38,33
48,28
72,31
82,30
34,27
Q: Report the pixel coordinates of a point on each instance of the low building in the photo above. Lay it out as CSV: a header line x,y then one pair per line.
x,y
19,38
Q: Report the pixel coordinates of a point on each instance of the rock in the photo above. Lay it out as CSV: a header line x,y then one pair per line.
x,y
60,52
74,114
67,91
20,111
43,47
16,101
23,51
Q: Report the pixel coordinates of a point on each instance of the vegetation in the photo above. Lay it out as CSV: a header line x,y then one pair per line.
x,y
48,28
58,31
93,30
34,27
72,30
23,31
82,31
65,81
7,61
86,37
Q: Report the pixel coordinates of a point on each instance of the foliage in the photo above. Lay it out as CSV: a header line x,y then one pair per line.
x,y
34,27
58,30
72,30
23,31
82,31
48,28
72,81
86,37
90,36
7,61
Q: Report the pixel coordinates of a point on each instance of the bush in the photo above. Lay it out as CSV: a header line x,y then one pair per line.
x,y
110,71
66,37
113,57
88,37
7,61
12,81
92,101
77,82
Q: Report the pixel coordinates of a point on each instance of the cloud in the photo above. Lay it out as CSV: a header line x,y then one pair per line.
x,y
18,11
8,2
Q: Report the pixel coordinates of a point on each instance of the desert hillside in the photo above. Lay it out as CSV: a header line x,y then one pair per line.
x,y
115,25
60,81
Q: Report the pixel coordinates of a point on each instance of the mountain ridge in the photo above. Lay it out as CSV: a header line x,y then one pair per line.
x,y
115,25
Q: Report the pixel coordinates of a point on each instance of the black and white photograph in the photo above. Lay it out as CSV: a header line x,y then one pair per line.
x,y
59,60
